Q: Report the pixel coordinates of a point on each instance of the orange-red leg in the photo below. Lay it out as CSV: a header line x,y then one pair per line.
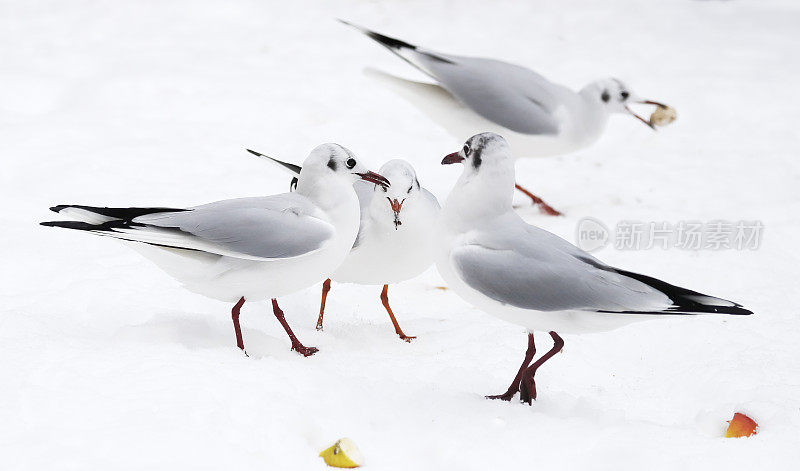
x,y
296,345
514,388
527,387
544,207
326,286
236,328
385,301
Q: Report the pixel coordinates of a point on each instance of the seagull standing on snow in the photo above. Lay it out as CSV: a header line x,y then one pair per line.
x,y
540,118
394,241
522,274
247,248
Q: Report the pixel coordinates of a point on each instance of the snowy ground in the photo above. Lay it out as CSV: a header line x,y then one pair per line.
x,y
108,364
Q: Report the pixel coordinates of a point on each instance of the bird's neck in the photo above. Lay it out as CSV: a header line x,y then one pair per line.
x,y
591,119
480,196
336,198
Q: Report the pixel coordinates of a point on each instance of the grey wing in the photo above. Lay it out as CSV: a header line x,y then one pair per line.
x,y
548,278
509,95
280,226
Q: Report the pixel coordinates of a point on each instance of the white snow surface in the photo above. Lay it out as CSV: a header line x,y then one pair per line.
x,y
107,363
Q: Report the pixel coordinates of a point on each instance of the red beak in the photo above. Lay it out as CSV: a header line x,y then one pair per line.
x,y
375,178
396,205
646,122
651,102
453,158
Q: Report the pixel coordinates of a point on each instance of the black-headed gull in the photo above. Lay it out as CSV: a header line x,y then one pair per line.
x,y
539,117
394,240
525,275
247,248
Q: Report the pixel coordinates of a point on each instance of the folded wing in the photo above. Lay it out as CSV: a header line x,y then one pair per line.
x,y
533,269
509,95
265,228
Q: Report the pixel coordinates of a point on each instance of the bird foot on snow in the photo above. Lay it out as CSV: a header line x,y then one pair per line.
x,y
527,391
548,210
506,396
305,351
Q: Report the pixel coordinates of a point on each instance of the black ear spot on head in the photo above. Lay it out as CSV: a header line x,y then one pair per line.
x,y
476,158
605,96
332,164
477,152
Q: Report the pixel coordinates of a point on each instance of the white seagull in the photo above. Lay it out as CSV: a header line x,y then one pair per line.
x,y
539,117
247,248
525,275
394,240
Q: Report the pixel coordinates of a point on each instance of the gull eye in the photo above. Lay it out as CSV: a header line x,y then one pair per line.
x,y
466,149
624,95
605,96
350,163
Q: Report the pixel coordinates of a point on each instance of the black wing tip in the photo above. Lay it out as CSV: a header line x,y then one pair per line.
x,y
391,43
79,225
117,213
735,310
294,168
691,306
687,305
686,301
388,41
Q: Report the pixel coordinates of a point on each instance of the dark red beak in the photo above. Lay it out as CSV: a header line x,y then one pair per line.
x,y
396,207
375,178
453,158
651,102
646,122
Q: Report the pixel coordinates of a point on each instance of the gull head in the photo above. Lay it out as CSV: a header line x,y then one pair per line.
x,y
486,185
482,153
336,163
401,195
614,96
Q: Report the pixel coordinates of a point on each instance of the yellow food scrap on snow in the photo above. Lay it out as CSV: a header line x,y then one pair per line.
x,y
343,454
